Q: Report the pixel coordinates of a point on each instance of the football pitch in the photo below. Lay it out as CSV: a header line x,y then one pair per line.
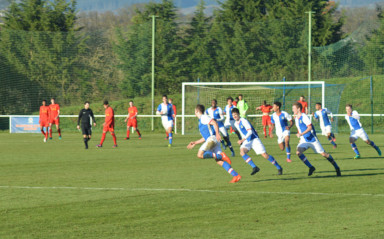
x,y
143,189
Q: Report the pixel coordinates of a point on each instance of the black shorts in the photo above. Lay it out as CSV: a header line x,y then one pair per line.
x,y
86,129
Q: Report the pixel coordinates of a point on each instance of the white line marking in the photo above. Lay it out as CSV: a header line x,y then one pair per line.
x,y
195,190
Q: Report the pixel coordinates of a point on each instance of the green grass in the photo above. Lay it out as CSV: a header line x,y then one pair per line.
x,y
142,189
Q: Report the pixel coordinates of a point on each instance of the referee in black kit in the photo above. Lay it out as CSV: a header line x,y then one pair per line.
x,y
86,127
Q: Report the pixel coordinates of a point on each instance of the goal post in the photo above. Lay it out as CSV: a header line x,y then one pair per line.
x,y
203,92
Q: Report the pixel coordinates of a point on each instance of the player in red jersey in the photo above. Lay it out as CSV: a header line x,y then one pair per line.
x,y
170,101
132,119
266,119
304,104
109,124
54,117
44,119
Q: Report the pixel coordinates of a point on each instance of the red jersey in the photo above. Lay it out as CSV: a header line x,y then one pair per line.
x,y
44,113
109,117
234,103
132,111
266,108
304,104
54,110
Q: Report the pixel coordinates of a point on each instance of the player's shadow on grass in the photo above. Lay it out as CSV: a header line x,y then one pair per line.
x,y
331,175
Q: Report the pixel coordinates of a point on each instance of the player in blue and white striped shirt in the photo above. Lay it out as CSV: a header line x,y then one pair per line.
x,y
325,124
357,131
250,140
209,129
280,121
166,111
216,113
308,139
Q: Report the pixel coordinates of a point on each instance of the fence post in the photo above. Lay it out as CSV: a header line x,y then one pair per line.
x,y
371,93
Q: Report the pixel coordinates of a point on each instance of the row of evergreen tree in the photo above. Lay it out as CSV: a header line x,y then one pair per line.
x,y
44,52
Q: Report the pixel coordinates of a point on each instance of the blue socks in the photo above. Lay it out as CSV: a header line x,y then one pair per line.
x,y
354,147
288,150
332,161
170,138
331,140
248,160
274,162
373,145
229,169
305,161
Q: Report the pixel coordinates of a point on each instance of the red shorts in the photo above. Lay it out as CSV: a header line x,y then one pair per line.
x,y
132,123
55,121
44,123
266,119
110,128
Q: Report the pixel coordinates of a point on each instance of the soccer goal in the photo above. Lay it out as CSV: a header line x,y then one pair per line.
x,y
254,93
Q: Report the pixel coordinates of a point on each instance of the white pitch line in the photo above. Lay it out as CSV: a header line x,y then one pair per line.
x,y
195,190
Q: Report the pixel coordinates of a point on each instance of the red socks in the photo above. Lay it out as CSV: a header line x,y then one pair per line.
x,y
138,132
102,138
114,138
128,133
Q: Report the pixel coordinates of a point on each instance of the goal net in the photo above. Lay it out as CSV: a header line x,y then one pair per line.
x,y
254,94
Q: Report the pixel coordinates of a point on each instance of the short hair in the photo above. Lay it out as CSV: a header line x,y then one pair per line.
x,y
45,101
318,103
53,98
106,102
241,95
298,105
200,108
165,96
277,103
349,105
265,102
170,99
86,102
130,101
229,98
235,110
215,100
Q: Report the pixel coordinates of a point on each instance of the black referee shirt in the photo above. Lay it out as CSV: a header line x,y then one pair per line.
x,y
85,117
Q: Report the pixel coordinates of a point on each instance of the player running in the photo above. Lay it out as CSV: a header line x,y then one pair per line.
x,y
44,119
216,113
174,117
229,120
304,104
211,143
132,120
308,139
280,120
266,119
166,111
54,117
108,125
86,127
325,124
250,140
357,131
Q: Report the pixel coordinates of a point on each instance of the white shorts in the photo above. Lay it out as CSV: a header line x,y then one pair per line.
x,y
315,146
326,130
223,131
230,123
211,145
281,137
255,144
167,123
360,133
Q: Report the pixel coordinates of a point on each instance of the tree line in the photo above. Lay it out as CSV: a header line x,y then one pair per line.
x,y
49,49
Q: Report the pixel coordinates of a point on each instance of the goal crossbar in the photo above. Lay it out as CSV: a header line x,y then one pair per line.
x,y
285,83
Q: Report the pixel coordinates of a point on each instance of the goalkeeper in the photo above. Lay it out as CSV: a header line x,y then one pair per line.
x,y
242,105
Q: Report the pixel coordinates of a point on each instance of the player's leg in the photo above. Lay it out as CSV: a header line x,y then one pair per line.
x,y
102,137
288,148
225,162
112,132
50,130
169,130
244,149
300,153
328,132
332,161
363,135
128,130
57,124
259,149
352,140
269,127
